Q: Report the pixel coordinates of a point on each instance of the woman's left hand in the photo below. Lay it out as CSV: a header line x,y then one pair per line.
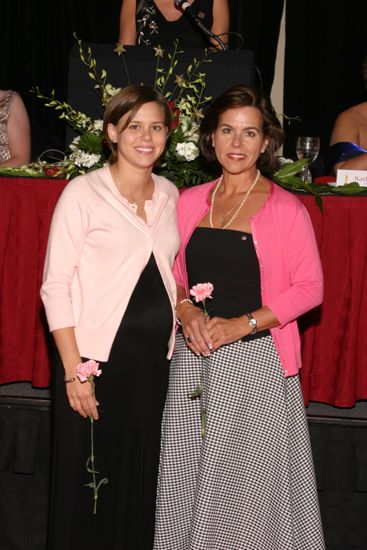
x,y
225,331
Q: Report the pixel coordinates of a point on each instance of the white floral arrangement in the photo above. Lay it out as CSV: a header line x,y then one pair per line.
x,y
182,161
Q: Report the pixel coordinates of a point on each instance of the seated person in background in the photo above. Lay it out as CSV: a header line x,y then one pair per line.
x,y
15,135
160,22
349,136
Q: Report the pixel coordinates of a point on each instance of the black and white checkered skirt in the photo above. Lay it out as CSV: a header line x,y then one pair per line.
x,y
249,484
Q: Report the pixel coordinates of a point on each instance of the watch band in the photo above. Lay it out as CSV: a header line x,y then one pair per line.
x,y
252,322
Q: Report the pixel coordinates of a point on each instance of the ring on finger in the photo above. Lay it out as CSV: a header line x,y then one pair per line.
x,y
189,339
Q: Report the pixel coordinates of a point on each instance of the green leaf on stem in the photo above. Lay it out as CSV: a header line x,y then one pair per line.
x,y
197,392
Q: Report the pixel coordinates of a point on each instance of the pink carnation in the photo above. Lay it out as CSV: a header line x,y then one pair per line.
x,y
87,369
202,291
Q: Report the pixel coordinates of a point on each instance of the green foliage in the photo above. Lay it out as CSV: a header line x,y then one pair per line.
x,y
91,143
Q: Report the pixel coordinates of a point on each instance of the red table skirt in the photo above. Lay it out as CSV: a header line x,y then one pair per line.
x,y
26,207
334,336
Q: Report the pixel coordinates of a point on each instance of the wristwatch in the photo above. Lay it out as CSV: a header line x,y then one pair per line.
x,y
252,322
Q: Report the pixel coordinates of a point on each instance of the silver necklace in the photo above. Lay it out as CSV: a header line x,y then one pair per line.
x,y
229,211
134,202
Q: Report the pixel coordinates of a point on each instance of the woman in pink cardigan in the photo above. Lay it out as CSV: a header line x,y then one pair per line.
x,y
109,296
236,466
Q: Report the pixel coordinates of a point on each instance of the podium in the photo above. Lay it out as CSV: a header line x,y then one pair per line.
x,y
138,65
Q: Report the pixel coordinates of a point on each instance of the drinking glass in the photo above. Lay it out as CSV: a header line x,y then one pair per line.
x,y
307,148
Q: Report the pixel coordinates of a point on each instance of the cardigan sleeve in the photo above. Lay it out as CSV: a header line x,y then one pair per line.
x,y
305,290
179,266
186,221
62,257
191,207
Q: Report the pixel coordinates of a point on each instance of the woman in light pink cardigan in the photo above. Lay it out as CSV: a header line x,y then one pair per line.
x,y
109,296
236,466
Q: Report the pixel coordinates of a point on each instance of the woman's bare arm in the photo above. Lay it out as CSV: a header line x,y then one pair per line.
x,y
127,34
346,129
193,324
220,19
226,331
356,163
19,134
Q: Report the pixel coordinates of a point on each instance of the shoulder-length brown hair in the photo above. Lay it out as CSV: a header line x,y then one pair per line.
x,y
130,100
243,96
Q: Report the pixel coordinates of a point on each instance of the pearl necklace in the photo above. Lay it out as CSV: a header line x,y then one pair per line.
x,y
239,206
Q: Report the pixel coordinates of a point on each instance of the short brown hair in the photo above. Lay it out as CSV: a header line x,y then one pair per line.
x,y
243,96
130,100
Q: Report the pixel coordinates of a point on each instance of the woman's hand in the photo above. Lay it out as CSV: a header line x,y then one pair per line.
x,y
194,327
80,394
82,398
225,331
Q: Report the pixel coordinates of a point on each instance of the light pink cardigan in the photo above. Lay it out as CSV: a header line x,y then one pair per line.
x,y
97,249
290,268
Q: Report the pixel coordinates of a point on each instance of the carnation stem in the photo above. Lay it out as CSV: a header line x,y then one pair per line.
x,y
202,404
202,379
95,493
91,468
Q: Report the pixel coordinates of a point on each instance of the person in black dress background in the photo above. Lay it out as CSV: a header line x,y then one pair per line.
x,y
109,296
160,22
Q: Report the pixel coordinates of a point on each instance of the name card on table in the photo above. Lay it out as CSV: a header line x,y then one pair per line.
x,y
343,177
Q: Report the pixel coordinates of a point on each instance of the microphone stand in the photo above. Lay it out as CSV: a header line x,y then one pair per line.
x,y
216,37
187,10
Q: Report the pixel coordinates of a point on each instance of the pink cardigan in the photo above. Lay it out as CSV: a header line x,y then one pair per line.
x,y
290,268
97,249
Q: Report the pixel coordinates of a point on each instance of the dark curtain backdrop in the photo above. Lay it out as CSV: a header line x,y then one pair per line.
x,y
325,45
258,22
326,41
35,41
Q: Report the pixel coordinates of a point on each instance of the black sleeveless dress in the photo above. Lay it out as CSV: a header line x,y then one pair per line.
x,y
234,256
131,392
153,29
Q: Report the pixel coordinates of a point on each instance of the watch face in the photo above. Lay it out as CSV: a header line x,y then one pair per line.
x,y
252,322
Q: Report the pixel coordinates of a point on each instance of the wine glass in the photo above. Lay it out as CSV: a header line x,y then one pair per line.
x,y
307,148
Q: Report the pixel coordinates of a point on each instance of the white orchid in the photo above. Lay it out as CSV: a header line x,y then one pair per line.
x,y
111,90
83,159
187,150
98,125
